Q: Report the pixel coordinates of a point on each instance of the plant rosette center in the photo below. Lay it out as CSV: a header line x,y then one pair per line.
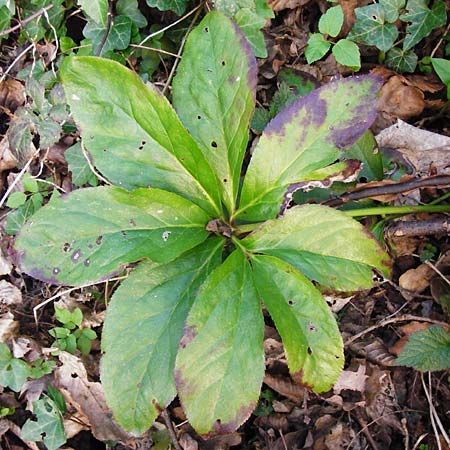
x,y
188,319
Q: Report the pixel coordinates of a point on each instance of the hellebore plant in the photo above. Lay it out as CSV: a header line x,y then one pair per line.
x,y
188,319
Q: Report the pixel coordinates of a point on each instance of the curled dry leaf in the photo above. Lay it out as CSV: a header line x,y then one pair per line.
x,y
9,294
12,95
276,421
416,280
7,159
8,327
339,437
88,399
374,350
427,152
280,5
285,386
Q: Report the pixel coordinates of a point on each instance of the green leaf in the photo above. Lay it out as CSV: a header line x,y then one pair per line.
x,y
305,137
139,141
426,350
392,8
317,47
215,96
178,6
17,218
49,425
315,239
79,166
5,19
401,61
141,333
250,24
331,22
260,119
422,20
301,82
220,364
16,199
95,9
365,151
372,28
118,37
130,9
93,233
311,338
442,68
13,371
347,53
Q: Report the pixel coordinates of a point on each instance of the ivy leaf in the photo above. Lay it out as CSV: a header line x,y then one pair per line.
x,y
96,10
426,350
365,150
311,338
305,137
312,237
130,9
92,233
13,371
215,97
118,38
442,68
422,20
347,53
178,6
331,22
48,427
141,333
140,141
392,8
401,61
250,24
78,165
220,364
16,219
317,47
372,28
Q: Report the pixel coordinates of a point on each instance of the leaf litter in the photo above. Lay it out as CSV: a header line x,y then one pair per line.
x,y
384,404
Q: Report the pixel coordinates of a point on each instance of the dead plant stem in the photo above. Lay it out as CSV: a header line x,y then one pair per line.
x,y
28,19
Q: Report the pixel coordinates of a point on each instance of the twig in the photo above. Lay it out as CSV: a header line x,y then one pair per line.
x,y
383,323
109,22
418,227
17,179
421,438
180,50
153,49
28,19
393,188
433,267
170,429
16,60
169,26
365,429
441,40
68,291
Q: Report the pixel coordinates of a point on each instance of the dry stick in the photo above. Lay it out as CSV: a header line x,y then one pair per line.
x,y
170,429
365,429
109,19
18,57
440,42
383,323
180,50
91,166
433,423
28,19
385,189
418,227
68,291
153,49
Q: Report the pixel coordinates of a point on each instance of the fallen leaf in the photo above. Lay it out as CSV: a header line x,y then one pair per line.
x,y
187,442
374,350
339,437
5,265
285,386
8,327
279,5
354,381
276,421
407,330
416,280
423,149
88,399
12,94
9,294
337,303
74,425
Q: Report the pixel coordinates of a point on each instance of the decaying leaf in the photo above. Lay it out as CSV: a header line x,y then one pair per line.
x,y
7,159
354,381
426,151
285,386
9,294
8,327
87,398
416,280
12,95
407,330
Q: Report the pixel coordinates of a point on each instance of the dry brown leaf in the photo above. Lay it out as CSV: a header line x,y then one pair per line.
x,y
291,441
222,442
407,330
9,294
276,421
348,8
416,280
8,327
374,350
339,437
422,149
285,386
381,399
279,5
12,95
337,303
187,442
354,381
88,399
281,407
5,265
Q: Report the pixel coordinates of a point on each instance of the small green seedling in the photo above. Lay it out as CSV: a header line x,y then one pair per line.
x,y
210,246
70,336
345,51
